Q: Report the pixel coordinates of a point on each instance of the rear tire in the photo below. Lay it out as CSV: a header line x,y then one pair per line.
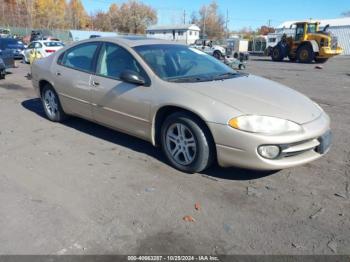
x,y
305,54
187,143
217,55
277,54
321,60
52,105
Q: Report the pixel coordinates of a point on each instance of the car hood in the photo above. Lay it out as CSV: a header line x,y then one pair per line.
x,y
253,95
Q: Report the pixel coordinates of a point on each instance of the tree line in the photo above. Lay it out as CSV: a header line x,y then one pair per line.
x,y
130,17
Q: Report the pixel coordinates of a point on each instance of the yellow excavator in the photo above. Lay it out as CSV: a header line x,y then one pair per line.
x,y
307,45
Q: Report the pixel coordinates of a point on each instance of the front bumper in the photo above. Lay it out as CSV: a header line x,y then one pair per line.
x,y
239,149
326,52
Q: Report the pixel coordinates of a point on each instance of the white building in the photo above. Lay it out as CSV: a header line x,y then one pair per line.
x,y
339,27
78,35
186,34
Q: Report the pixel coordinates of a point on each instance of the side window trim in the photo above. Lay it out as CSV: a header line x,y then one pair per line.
x,y
147,78
62,58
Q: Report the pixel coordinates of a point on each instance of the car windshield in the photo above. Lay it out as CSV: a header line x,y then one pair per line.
x,y
53,44
177,63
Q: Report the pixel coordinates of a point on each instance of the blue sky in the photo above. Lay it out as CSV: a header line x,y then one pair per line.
x,y
251,13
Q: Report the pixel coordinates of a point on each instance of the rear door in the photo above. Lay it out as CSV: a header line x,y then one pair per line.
x,y
72,75
121,105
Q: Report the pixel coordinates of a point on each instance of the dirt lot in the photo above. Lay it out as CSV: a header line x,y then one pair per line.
x,y
79,188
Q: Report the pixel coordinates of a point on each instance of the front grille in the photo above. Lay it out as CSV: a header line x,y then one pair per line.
x,y
294,149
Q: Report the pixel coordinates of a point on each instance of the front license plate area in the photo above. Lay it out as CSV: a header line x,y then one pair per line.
x,y
325,143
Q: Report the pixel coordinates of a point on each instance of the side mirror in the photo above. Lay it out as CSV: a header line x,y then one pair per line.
x,y
132,77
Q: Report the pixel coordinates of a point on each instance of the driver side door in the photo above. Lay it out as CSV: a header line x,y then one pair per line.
x,y
120,105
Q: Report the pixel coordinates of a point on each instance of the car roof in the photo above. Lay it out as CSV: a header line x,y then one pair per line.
x,y
133,41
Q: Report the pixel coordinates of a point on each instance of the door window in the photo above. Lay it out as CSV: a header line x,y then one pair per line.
x,y
299,32
81,57
114,60
38,45
31,46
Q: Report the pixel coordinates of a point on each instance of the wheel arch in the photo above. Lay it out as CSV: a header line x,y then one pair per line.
x,y
311,43
43,83
164,111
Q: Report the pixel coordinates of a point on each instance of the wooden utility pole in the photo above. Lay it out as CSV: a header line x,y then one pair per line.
x,y
227,33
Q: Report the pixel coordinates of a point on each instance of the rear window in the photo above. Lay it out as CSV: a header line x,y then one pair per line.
x,y
53,44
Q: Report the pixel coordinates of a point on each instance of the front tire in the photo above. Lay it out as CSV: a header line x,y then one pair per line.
x,y
52,105
186,143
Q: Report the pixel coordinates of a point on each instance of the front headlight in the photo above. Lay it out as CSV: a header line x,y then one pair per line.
x,y
264,124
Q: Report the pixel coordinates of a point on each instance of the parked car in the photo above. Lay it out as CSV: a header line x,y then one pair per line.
x,y
4,33
210,47
44,47
15,46
195,107
94,36
7,60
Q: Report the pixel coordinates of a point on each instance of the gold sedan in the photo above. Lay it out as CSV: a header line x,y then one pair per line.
x,y
189,103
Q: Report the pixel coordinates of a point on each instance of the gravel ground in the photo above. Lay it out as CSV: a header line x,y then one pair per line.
x,y
79,188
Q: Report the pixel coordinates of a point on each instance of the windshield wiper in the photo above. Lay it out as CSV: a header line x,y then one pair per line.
x,y
225,75
189,79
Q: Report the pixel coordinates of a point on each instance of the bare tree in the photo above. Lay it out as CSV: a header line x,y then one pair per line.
x,y
211,21
135,17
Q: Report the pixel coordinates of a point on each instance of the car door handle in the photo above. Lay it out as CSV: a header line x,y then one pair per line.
x,y
58,73
94,83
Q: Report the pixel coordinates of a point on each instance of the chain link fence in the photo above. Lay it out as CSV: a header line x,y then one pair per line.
x,y
63,35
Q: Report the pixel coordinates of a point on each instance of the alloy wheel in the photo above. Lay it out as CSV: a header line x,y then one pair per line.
x,y
50,102
181,144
